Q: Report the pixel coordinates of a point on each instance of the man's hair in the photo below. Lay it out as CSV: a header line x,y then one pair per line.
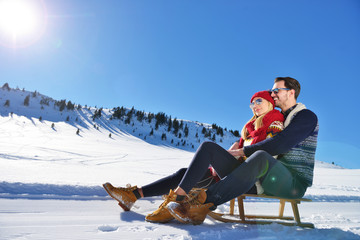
x,y
291,83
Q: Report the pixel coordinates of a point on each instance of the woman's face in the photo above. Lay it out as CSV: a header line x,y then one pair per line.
x,y
260,106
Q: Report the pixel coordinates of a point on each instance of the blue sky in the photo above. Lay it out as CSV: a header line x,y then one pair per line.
x,y
200,60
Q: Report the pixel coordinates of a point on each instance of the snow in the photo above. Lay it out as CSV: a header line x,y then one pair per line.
x,y
50,180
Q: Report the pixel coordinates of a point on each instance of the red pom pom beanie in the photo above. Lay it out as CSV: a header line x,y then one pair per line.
x,y
265,95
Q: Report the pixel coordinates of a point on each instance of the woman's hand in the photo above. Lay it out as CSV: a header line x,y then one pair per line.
x,y
235,146
237,153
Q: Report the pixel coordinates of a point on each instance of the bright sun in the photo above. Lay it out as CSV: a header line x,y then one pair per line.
x,y
21,22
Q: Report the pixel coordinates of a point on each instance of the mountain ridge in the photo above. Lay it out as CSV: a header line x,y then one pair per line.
x,y
158,129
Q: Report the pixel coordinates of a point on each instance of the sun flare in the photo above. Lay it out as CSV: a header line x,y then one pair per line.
x,y
21,21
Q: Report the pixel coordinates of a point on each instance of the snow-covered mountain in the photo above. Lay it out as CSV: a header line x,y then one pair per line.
x,y
52,165
150,127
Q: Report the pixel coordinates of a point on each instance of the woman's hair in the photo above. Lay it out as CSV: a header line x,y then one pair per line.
x,y
258,121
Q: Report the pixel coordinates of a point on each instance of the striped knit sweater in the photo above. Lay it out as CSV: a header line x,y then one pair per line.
x,y
301,158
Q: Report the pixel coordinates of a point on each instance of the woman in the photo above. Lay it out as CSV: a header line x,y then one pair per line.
x,y
265,123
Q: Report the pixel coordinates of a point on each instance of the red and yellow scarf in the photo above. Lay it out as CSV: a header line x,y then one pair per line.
x,y
261,133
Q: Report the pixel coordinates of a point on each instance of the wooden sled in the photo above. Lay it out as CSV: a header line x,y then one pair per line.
x,y
249,219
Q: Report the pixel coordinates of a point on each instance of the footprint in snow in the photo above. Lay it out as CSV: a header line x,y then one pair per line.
x,y
107,228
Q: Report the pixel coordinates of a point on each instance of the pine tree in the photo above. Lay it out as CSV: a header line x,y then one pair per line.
x,y
70,106
207,134
176,126
6,87
163,136
160,118
118,112
97,114
129,116
45,101
140,115
150,117
186,130
219,131
152,132
169,124
203,131
27,100
127,120
61,104
236,133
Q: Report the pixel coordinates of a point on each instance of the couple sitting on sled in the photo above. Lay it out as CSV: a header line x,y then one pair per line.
x,y
275,156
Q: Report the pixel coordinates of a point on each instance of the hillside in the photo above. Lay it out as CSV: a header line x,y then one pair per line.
x,y
157,129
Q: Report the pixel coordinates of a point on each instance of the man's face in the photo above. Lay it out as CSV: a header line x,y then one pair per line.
x,y
282,96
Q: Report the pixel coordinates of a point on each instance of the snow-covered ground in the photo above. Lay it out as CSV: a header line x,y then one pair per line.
x,y
50,186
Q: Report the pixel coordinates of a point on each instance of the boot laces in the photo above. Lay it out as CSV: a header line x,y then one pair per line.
x,y
193,198
167,200
128,188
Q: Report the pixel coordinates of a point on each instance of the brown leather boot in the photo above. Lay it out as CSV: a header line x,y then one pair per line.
x,y
192,210
124,196
162,215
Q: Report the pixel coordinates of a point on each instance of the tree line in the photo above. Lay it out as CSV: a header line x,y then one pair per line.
x,y
175,126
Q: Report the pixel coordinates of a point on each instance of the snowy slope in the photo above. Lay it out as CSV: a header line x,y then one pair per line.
x,y
43,109
50,181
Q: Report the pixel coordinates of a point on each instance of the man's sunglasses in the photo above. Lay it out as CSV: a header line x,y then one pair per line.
x,y
257,102
276,90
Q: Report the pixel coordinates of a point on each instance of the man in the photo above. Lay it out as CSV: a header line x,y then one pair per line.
x,y
287,176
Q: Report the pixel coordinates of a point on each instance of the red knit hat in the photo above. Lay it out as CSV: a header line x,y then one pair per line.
x,y
265,95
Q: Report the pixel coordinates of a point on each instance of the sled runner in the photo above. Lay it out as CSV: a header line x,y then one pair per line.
x,y
252,219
